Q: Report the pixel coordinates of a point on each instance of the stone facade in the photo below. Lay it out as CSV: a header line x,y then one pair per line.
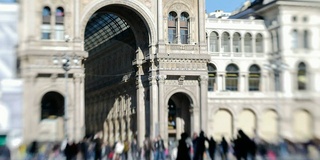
x,y
132,81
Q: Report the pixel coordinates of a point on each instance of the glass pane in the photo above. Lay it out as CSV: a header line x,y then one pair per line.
x,y
184,36
232,83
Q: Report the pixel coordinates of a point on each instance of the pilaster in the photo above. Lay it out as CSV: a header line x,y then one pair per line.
x,y
162,106
203,79
154,105
141,114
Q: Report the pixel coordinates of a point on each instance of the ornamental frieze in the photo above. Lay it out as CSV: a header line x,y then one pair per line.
x,y
182,65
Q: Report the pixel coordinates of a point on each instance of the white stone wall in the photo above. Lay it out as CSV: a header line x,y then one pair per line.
x,y
266,110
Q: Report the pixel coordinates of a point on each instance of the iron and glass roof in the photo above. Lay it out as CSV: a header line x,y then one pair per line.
x,y
102,27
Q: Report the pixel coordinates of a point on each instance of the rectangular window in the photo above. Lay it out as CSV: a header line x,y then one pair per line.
x,y
254,83
184,36
172,38
45,32
211,82
231,83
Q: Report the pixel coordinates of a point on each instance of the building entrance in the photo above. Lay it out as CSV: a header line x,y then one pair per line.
x,y
179,116
117,40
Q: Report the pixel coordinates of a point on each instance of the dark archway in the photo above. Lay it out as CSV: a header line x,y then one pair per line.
x,y
117,40
179,115
52,104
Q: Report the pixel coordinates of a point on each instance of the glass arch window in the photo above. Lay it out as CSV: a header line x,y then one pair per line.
x,y
212,74
214,42
59,27
46,13
236,42
184,28
248,43
259,43
232,77
225,42
46,23
172,27
302,76
254,78
59,15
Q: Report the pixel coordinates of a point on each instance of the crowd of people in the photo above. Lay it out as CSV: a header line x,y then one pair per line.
x,y
197,147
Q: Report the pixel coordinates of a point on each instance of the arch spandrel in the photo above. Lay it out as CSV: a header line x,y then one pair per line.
x,y
136,6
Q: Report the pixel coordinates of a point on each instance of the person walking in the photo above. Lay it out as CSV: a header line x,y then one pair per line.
x,y
159,149
126,149
200,149
183,148
212,148
32,152
147,148
84,148
134,149
224,149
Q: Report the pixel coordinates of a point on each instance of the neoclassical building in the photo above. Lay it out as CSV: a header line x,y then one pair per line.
x,y
146,67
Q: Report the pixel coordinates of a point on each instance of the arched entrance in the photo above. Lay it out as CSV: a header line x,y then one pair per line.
x,y
117,39
180,116
52,105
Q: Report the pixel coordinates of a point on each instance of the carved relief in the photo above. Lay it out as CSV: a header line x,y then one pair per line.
x,y
179,7
147,3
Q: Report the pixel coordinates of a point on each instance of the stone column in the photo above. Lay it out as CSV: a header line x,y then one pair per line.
x,y
196,119
201,26
153,87
141,114
78,114
31,121
220,82
264,82
203,102
160,21
242,82
129,132
286,82
162,108
76,15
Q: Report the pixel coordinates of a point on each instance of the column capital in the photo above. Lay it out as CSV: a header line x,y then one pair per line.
x,y
203,78
161,78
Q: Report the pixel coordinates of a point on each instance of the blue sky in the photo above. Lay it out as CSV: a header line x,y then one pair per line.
x,y
225,5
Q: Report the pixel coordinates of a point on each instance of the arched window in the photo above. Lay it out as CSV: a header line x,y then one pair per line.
x,y
52,104
232,77
59,15
59,27
46,12
254,78
172,27
225,42
212,74
46,27
236,42
295,39
259,43
248,43
214,42
302,76
305,39
184,28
